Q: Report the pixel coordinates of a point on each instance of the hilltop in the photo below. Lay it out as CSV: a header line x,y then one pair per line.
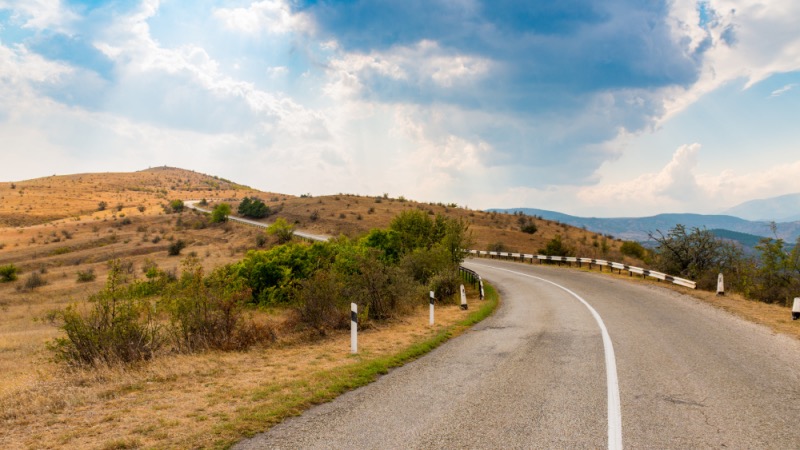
x,y
74,199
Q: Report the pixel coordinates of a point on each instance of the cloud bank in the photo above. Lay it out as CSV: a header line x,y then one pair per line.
x,y
501,103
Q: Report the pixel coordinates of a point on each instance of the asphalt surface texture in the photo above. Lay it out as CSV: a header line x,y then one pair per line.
x,y
534,376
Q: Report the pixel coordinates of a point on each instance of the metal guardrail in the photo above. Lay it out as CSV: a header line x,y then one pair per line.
x,y
591,261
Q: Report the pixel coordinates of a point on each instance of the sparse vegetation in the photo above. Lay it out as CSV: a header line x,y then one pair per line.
x,y
32,281
176,247
85,276
8,273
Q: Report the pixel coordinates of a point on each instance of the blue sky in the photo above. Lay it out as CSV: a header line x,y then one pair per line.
x,y
614,108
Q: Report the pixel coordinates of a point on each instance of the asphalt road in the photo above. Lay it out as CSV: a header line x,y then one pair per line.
x,y
536,375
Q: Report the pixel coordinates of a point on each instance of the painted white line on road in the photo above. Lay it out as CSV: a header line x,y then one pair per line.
x,y
614,410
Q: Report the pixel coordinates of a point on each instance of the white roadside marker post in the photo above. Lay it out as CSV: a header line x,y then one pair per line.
x,y
796,309
431,301
463,297
480,280
353,328
720,285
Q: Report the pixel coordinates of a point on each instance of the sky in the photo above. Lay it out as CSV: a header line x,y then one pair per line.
x,y
606,109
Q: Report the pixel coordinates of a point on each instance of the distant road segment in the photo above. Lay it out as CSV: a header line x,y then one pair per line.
x,y
192,204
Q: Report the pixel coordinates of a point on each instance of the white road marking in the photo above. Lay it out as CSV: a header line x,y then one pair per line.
x,y
614,410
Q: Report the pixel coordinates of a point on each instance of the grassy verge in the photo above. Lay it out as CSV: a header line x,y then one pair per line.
x,y
274,402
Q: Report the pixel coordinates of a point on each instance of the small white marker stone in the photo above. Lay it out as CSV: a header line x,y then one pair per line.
x,y
431,301
353,328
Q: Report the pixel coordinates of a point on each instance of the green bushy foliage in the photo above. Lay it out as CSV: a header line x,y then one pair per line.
x,y
282,230
556,247
175,206
633,249
208,312
8,273
253,207
85,276
118,328
220,213
176,247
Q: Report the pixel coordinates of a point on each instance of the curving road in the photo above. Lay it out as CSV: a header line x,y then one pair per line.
x,y
538,374
192,204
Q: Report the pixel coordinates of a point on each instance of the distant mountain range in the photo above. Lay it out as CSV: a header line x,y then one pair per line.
x,y
745,223
785,208
639,228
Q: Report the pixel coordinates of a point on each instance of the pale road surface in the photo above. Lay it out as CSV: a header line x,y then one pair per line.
x,y
192,204
534,376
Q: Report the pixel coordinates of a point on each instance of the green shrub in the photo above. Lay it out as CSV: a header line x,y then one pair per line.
x,y
116,329
445,285
85,276
220,213
529,228
175,248
556,247
208,313
34,281
8,273
175,206
253,207
633,249
282,230
322,302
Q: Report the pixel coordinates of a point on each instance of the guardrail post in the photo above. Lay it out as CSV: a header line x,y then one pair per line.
x,y
431,309
353,328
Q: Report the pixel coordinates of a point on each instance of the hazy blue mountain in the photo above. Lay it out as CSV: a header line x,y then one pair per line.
x,y
638,228
785,208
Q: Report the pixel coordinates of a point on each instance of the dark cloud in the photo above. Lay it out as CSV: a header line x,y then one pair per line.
x,y
570,73
575,46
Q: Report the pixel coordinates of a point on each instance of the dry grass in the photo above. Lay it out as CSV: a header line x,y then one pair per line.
x,y
195,401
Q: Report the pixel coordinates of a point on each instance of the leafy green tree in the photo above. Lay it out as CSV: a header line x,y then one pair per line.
x,y
253,207
387,241
687,253
220,213
282,230
176,206
415,229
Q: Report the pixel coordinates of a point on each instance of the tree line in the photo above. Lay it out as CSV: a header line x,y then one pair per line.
x,y
771,275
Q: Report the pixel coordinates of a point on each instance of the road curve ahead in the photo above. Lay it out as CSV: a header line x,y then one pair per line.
x,y
536,375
